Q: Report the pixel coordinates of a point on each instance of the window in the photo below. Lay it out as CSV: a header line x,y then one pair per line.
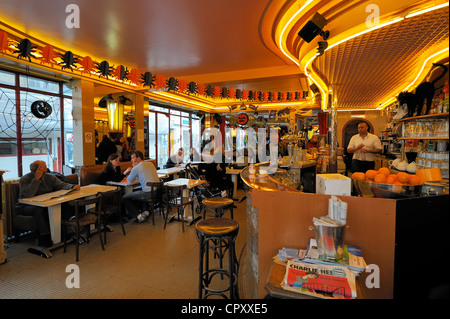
x,y
196,135
68,132
185,135
7,78
175,134
8,133
39,84
26,137
163,139
171,129
152,135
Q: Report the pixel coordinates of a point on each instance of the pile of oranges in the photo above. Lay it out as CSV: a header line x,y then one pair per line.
x,y
384,176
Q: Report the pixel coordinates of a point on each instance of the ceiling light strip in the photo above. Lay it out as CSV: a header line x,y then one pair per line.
x,y
364,32
423,67
413,14
307,3
388,102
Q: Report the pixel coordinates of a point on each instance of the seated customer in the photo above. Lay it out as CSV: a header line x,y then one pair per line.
x,y
111,172
216,177
38,182
175,159
144,172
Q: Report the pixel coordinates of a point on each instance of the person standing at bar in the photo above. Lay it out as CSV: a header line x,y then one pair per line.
x,y
144,172
363,146
35,183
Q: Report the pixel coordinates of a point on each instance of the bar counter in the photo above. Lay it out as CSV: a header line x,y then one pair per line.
x,y
260,179
392,233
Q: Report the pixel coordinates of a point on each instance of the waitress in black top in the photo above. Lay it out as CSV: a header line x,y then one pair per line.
x,y
111,172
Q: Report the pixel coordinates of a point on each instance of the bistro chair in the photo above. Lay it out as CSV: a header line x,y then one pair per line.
x,y
110,204
82,220
176,197
156,198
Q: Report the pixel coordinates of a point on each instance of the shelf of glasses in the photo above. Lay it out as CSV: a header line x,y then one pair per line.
x,y
424,138
428,116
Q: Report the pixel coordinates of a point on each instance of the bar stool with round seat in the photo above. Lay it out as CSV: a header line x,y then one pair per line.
x,y
219,205
216,234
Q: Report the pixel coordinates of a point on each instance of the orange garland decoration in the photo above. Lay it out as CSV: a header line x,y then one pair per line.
x,y
182,86
160,82
134,76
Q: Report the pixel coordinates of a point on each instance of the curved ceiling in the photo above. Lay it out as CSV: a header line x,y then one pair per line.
x,y
251,44
368,63
391,59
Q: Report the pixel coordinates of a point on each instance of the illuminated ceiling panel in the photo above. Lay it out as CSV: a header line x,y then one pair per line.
x,y
381,63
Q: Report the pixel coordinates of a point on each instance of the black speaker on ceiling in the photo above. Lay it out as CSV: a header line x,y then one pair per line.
x,y
314,27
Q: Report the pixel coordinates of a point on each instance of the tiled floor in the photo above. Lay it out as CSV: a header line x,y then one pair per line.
x,y
148,263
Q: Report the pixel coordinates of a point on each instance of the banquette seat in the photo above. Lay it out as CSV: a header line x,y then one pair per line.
x,y
19,223
89,174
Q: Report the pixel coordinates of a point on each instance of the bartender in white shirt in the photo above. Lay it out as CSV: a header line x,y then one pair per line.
x,y
364,146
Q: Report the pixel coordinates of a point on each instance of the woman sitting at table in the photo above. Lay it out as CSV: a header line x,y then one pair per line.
x,y
111,172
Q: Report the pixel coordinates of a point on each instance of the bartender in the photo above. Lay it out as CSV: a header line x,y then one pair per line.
x,y
364,146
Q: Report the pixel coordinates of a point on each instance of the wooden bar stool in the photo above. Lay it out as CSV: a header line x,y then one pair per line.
x,y
216,234
219,205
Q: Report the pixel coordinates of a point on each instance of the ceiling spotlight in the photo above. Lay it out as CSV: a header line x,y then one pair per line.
x,y
314,27
314,88
232,107
322,47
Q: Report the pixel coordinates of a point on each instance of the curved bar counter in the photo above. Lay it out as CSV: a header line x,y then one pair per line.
x,y
278,215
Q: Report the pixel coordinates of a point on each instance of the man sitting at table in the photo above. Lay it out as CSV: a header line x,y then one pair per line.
x,y
35,183
144,172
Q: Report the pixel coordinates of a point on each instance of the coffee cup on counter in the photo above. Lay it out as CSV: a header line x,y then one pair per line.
x,y
394,163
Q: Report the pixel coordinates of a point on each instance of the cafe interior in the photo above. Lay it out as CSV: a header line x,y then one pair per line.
x,y
163,75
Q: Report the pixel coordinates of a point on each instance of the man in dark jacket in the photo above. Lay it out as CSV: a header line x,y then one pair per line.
x,y
106,148
35,183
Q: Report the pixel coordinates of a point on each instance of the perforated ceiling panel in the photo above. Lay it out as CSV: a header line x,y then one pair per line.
x,y
375,66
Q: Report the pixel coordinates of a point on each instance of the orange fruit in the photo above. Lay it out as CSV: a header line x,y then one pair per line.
x,y
393,176
370,174
359,176
380,178
403,177
391,179
415,180
385,171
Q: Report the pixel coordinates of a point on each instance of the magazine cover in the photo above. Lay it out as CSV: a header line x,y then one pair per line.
x,y
319,280
351,258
